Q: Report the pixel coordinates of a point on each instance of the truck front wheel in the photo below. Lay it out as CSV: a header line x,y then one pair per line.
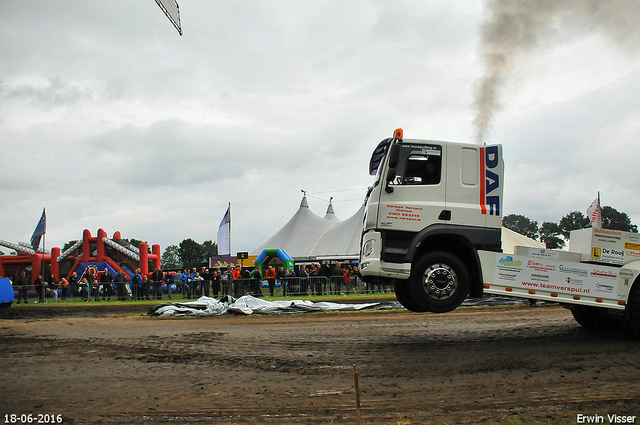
x,y
404,296
439,282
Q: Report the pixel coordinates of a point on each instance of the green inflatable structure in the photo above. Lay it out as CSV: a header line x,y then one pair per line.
x,y
267,255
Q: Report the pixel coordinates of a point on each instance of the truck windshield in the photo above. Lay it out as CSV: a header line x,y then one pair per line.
x,y
419,165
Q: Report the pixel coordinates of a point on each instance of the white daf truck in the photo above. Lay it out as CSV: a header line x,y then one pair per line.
x,y
433,225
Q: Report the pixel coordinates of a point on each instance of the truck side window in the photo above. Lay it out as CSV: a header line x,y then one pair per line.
x,y
420,169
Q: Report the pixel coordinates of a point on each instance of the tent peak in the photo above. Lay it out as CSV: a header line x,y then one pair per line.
x,y
330,215
330,209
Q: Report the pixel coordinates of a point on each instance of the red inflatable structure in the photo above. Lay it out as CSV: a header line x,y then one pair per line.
x,y
99,252
12,265
90,254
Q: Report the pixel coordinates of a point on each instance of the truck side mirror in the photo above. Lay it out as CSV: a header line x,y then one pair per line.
x,y
391,174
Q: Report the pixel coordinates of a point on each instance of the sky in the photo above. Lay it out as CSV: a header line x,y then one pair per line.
x,y
110,119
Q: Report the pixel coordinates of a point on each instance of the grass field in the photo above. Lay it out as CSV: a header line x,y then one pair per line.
x,y
341,298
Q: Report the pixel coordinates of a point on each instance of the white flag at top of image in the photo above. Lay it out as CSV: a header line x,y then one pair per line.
x,y
224,234
595,213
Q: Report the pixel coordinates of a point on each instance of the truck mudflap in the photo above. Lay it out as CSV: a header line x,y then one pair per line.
x,y
557,276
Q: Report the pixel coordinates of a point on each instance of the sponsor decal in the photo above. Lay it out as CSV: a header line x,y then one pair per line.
x,y
540,277
604,273
435,151
607,232
632,246
490,191
626,275
509,262
433,148
606,235
632,254
574,281
555,287
615,256
614,252
544,253
573,270
601,287
540,267
403,212
507,276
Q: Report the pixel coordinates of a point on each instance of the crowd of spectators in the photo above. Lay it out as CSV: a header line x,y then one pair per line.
x,y
233,280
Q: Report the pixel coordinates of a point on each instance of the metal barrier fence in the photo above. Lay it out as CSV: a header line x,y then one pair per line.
x,y
293,286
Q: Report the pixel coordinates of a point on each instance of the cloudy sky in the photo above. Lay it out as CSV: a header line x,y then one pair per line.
x,y
110,119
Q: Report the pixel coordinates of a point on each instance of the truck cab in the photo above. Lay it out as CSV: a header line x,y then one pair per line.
x,y
432,206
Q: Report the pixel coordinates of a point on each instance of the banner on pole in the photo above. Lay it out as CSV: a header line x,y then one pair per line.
x,y
172,11
224,234
595,213
41,229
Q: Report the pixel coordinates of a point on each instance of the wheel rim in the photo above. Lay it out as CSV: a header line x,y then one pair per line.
x,y
440,281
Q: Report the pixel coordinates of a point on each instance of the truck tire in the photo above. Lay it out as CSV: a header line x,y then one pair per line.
x,y
439,282
634,311
402,294
595,320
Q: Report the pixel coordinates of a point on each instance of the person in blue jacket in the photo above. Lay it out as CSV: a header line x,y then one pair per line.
x,y
169,279
184,279
136,285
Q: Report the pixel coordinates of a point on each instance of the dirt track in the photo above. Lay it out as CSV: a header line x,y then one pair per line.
x,y
474,365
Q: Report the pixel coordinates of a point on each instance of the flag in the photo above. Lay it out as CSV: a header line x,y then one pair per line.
x,y
224,234
172,11
41,229
595,213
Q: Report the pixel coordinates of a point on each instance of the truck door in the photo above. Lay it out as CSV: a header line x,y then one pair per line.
x,y
415,197
474,185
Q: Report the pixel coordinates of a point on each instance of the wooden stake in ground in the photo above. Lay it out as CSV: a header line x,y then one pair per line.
x,y
356,388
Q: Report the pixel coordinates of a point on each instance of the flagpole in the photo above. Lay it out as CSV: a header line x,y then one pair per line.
x,y
38,233
600,209
44,238
230,229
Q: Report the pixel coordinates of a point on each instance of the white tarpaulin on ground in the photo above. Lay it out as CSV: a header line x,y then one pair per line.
x,y
248,304
205,306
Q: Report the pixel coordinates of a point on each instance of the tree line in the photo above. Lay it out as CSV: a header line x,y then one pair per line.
x,y
188,252
555,235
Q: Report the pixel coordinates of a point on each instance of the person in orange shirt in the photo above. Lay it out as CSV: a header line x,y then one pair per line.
x,y
64,285
270,274
237,282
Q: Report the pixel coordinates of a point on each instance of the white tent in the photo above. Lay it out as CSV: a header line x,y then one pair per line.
x,y
511,239
302,233
341,240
